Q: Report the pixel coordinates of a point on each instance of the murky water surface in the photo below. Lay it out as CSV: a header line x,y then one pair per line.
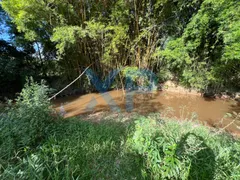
x,y
210,111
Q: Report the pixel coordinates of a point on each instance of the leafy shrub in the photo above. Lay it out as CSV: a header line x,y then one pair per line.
x,y
139,78
160,160
185,150
164,75
24,124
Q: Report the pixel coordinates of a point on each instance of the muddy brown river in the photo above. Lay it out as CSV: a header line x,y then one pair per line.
x,y
180,106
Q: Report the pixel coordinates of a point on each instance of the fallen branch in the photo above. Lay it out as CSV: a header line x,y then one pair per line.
x,y
70,83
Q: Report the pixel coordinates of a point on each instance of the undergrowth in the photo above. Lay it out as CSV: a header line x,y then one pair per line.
x,y
34,144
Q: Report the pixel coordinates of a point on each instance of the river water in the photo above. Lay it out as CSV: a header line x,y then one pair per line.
x,y
180,106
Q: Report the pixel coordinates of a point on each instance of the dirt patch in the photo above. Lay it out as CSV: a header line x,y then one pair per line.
x,y
171,86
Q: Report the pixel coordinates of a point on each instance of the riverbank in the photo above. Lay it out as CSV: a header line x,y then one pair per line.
x,y
171,86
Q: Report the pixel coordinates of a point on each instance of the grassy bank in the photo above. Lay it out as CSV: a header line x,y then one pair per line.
x,y
36,144
145,147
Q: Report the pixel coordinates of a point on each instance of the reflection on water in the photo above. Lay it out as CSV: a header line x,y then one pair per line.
x,y
182,106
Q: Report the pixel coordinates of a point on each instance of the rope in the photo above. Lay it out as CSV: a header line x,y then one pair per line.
x,y
70,83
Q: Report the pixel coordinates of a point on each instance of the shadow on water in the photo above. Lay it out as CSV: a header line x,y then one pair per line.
x,y
64,100
202,158
209,98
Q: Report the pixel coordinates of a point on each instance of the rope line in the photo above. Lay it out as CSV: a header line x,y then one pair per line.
x,y
70,83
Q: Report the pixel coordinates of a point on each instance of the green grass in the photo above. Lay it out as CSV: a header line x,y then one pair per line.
x,y
139,148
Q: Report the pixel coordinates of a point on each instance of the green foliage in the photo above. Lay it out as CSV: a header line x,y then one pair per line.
x,y
139,78
149,148
116,33
131,72
34,95
25,124
159,156
183,150
66,36
207,53
78,149
164,75
197,40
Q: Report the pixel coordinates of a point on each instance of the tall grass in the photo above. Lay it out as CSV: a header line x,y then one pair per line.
x,y
141,148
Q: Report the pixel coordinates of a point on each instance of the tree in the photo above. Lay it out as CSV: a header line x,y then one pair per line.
x,y
195,40
207,55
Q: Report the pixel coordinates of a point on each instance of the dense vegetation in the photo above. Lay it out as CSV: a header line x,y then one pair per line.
x,y
193,42
37,144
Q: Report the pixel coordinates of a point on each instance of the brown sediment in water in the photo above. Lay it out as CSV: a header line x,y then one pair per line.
x,y
177,105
